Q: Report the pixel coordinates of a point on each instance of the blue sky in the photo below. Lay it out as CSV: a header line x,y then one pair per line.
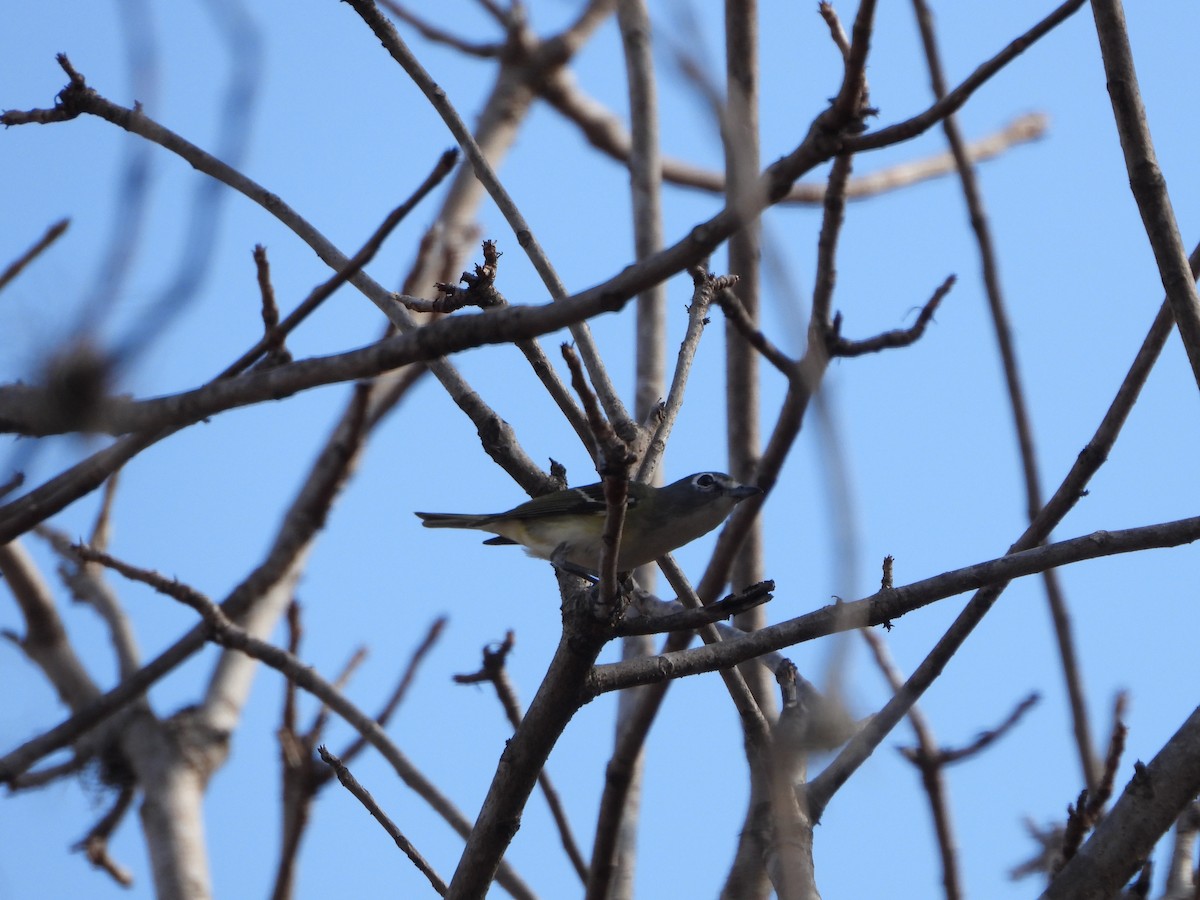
x,y
343,136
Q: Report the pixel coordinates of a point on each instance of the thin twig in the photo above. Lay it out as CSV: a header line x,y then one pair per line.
x,y
929,763
275,353
406,680
691,619
989,737
887,605
606,132
900,337
219,628
955,99
1145,177
364,797
436,35
274,336
615,459
836,31
736,313
820,317
437,98
52,234
1021,420
705,287
95,843
88,585
494,672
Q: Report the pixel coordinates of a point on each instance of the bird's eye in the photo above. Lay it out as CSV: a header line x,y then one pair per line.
x,y
705,481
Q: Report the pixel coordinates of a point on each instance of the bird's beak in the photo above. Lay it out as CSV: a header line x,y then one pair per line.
x,y
742,491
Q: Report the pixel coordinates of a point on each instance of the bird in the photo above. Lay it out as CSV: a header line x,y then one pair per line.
x,y
566,527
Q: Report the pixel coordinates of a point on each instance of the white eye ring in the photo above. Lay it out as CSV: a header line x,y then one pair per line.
x,y
706,480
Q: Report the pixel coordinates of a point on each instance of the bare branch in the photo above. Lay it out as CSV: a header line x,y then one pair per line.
x,y
736,313
220,629
439,35
95,844
1145,178
1150,803
406,680
927,759
705,288
901,337
954,100
364,797
399,51
884,606
53,233
606,132
1016,393
692,619
494,672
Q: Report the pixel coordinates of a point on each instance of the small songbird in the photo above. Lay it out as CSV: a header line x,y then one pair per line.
x,y
567,526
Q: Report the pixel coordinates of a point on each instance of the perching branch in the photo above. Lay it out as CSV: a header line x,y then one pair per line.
x,y
887,605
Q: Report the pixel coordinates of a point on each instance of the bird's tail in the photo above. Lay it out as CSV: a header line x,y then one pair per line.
x,y
452,520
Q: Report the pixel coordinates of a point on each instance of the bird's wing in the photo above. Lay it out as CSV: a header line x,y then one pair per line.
x,y
580,501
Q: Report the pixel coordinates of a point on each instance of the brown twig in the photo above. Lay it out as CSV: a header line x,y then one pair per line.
x,y
692,619
494,672
1103,791
606,132
614,461
52,234
1016,394
1146,178
954,100
87,585
926,757
948,756
347,272
275,353
364,797
297,769
95,843
219,628
398,50
437,35
705,288
402,687
736,313
900,337
820,317
890,604
836,31
1088,809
